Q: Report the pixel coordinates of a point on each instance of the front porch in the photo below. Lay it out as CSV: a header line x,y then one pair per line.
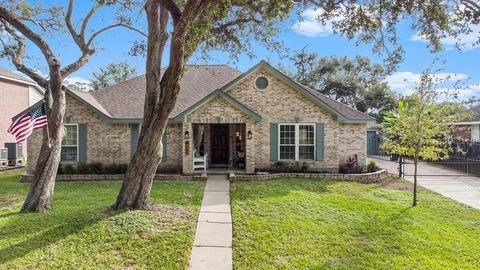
x,y
217,148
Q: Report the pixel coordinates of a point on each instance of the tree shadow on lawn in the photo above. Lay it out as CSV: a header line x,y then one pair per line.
x,y
62,225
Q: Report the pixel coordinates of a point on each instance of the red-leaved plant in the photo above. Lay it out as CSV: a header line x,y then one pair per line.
x,y
350,164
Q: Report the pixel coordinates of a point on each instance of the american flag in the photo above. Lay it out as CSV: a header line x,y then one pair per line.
x,y
25,124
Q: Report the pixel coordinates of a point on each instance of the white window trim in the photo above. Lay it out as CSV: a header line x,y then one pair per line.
x,y
297,141
78,156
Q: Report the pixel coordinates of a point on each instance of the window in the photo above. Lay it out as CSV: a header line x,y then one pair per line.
x,y
70,144
261,83
297,142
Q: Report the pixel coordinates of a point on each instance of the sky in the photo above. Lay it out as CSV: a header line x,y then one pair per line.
x,y
456,65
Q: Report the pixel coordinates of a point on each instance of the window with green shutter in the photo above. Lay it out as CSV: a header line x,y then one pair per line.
x,y
273,141
297,141
69,151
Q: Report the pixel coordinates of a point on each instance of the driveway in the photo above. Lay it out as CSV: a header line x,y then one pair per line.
x,y
450,183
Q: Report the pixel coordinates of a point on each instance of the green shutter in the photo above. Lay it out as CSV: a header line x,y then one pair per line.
x,y
82,142
273,141
134,128
164,145
319,141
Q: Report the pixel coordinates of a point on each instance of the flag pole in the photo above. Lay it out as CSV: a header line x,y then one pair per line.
x,y
48,130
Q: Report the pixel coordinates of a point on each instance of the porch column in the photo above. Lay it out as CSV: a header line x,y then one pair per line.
x,y
250,147
187,148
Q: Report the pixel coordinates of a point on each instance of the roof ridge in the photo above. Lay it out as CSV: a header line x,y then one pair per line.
x,y
116,84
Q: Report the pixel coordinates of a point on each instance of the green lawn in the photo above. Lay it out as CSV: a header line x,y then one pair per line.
x,y
314,224
79,234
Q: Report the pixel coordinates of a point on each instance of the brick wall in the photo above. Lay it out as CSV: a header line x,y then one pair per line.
x,y
280,103
217,111
13,100
108,143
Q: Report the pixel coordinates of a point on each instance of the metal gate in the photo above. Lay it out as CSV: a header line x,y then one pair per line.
x,y
454,166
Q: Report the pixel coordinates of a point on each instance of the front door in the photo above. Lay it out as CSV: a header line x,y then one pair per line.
x,y
219,144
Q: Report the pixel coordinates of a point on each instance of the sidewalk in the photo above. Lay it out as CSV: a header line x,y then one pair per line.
x,y
455,185
212,247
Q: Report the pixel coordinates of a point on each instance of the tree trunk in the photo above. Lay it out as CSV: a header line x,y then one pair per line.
x,y
40,196
137,184
415,182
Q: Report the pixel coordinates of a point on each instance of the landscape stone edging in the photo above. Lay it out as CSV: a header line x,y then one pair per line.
x,y
111,177
9,169
364,178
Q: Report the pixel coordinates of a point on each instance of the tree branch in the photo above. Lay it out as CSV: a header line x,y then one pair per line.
x,y
18,56
173,9
80,39
52,60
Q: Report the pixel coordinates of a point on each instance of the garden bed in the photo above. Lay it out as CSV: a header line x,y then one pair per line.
x,y
112,177
365,178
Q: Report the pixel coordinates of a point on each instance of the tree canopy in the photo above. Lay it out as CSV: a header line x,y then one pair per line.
x,y
421,127
356,82
113,73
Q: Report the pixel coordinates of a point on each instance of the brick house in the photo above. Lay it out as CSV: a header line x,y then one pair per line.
x,y
16,94
243,121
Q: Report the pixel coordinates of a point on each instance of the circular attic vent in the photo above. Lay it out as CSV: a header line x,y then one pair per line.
x,y
261,83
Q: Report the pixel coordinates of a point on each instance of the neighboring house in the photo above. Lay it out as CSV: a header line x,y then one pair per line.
x,y
469,128
16,94
248,121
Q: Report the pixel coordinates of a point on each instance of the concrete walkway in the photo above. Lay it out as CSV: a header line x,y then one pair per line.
x,y
212,247
450,183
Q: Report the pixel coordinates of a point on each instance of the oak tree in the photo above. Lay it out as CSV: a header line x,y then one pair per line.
x,y
190,26
25,25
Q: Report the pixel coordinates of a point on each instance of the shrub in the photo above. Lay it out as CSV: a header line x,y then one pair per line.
x,y
372,167
122,168
69,169
96,168
82,168
116,168
304,167
350,164
111,168
60,169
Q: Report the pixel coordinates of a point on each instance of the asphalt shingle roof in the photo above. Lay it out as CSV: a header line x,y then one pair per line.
x,y
345,110
7,73
125,100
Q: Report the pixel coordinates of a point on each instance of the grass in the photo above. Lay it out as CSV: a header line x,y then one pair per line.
x,y
316,224
79,234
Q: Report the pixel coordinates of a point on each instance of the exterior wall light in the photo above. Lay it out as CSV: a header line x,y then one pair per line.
x,y
68,118
187,135
249,134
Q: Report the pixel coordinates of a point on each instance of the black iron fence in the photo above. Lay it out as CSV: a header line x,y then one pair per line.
x,y
465,156
463,164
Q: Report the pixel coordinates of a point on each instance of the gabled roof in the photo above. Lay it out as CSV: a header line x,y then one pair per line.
x,y
125,100
218,93
344,113
11,76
